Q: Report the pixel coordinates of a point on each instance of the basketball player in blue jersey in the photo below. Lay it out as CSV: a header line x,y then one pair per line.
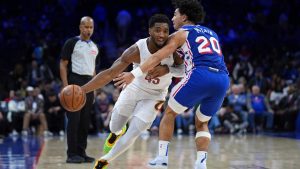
x,y
206,78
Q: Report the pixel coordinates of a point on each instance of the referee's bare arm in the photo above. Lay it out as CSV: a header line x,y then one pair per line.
x,y
130,55
63,66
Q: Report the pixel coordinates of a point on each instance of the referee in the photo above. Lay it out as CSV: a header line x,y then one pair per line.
x,y
77,66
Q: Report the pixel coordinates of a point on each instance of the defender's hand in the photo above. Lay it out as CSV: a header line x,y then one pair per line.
x,y
123,79
158,71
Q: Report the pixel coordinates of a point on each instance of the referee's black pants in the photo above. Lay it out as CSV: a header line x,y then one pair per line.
x,y
78,122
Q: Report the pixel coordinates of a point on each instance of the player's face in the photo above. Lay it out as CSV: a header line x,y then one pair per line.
x,y
159,33
87,29
178,19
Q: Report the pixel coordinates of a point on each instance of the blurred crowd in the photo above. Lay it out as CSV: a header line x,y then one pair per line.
x,y
259,38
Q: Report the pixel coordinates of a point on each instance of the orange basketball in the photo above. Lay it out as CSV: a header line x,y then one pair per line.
x,y
72,98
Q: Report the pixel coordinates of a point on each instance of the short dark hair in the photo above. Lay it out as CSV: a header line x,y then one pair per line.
x,y
193,9
158,18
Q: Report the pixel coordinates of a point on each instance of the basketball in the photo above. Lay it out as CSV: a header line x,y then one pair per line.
x,y
72,98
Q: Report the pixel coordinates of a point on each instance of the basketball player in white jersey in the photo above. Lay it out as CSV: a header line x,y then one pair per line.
x,y
141,100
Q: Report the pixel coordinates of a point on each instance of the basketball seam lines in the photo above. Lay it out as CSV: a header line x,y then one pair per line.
x,y
82,99
64,98
73,98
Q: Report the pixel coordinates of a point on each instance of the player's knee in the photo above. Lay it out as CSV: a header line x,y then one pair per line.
x,y
114,128
203,134
140,124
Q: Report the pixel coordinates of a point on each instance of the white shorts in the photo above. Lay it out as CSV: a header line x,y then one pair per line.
x,y
136,102
172,103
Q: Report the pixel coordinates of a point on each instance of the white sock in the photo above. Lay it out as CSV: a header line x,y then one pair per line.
x,y
201,160
163,147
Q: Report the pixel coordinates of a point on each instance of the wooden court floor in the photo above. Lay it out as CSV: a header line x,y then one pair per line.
x,y
226,152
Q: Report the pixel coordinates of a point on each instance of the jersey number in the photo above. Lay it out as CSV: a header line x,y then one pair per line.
x,y
154,80
207,46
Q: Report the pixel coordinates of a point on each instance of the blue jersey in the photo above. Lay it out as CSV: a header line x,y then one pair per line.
x,y
206,80
201,48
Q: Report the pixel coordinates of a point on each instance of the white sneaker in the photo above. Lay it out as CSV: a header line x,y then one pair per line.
x,y
24,133
47,134
33,130
61,133
179,131
14,133
159,162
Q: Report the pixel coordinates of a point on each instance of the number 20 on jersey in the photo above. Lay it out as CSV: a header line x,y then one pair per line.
x,y
208,46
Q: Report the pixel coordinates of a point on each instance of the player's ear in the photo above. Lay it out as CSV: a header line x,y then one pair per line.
x,y
184,18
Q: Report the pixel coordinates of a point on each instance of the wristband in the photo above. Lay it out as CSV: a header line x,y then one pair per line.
x,y
137,72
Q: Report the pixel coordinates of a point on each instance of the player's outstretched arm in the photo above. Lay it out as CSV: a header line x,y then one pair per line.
x,y
129,56
176,40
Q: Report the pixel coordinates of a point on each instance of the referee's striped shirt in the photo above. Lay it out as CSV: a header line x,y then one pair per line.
x,y
81,55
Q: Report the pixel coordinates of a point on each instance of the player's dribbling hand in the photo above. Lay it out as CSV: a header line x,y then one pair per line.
x,y
123,79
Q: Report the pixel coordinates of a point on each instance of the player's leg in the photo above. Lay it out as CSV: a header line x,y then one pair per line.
x,y
202,138
117,125
166,128
209,106
136,127
117,128
144,114
182,96
121,113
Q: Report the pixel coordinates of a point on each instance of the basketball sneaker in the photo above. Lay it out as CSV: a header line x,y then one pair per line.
x,y
101,164
159,162
111,140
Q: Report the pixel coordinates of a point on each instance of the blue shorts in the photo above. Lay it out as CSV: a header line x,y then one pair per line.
x,y
202,85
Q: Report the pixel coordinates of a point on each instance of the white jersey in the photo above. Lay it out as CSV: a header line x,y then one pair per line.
x,y
156,86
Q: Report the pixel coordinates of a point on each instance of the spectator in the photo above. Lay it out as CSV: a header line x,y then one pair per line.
x,y
54,113
238,103
3,124
16,76
242,69
232,120
259,109
214,124
34,75
276,90
16,111
185,121
289,109
260,81
103,109
34,112
155,125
